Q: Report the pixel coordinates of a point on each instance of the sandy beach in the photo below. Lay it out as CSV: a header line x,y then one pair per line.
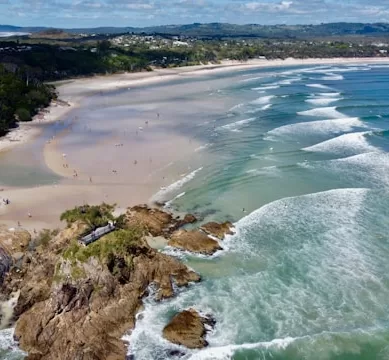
x,y
73,91
127,164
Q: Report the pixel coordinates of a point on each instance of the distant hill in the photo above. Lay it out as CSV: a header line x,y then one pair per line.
x,y
232,30
52,34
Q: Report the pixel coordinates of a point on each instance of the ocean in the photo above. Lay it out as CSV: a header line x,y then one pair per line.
x,y
297,158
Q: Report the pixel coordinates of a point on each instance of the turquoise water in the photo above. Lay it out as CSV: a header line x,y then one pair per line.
x,y
304,152
306,276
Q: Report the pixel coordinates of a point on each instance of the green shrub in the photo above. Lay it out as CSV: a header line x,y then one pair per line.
x,y
94,216
123,243
23,114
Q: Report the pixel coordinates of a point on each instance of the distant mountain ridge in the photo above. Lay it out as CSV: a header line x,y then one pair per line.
x,y
228,30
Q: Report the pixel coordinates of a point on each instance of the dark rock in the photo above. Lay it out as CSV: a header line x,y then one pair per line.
x,y
188,329
218,230
194,241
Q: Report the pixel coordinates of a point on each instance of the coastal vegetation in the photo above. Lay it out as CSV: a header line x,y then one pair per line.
x,y
21,97
93,216
28,62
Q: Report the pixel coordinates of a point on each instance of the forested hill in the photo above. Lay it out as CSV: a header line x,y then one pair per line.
x,y
232,30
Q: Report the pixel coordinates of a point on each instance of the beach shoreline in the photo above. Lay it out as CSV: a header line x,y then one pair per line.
x,y
154,149
72,91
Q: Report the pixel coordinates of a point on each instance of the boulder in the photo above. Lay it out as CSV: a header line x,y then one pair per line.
x,y
188,328
194,241
218,230
189,219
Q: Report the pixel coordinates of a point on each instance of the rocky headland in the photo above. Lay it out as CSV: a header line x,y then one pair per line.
x,y
76,301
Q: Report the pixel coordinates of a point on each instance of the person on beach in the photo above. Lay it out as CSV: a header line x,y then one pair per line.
x,y
135,162
29,215
90,179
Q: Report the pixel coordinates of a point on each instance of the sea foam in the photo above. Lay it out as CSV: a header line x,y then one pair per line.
x,y
327,112
235,126
322,100
318,86
263,100
318,127
269,87
346,144
163,193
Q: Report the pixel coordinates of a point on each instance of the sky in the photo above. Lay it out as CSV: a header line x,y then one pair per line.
x,y
140,13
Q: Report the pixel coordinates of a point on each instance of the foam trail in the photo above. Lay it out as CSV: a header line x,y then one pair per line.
x,y
318,86
263,100
202,147
318,127
328,94
161,195
252,79
288,81
266,107
332,77
322,101
327,112
347,144
226,352
236,125
265,171
270,87
170,202
236,107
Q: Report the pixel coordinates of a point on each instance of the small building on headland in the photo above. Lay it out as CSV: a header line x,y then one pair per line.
x,y
97,234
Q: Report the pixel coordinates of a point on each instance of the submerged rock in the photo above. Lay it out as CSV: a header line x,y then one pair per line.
x,y
189,219
188,328
194,241
218,230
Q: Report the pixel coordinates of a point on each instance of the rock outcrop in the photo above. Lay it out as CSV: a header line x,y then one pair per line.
x,y
77,302
218,230
86,318
194,241
156,221
13,243
188,328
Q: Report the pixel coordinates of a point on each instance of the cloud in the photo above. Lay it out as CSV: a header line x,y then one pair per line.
x,y
152,12
269,7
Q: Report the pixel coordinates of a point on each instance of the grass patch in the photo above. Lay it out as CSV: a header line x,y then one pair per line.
x,y
45,236
94,216
121,243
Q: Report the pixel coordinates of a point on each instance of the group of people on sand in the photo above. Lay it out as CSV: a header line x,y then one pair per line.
x,y
6,201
